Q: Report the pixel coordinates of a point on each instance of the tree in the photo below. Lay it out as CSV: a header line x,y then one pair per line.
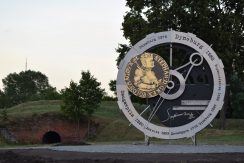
x,y
2,99
50,93
82,99
237,97
219,23
112,86
26,86
4,114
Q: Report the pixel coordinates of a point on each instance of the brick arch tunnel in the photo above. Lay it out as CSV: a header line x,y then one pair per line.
x,y
51,137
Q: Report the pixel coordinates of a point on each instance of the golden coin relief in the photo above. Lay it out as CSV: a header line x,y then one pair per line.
x,y
147,75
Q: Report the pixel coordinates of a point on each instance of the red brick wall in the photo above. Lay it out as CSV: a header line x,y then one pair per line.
x,y
31,130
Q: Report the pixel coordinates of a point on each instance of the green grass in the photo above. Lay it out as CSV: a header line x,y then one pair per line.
x,y
107,109
110,110
114,127
118,130
217,136
237,124
34,107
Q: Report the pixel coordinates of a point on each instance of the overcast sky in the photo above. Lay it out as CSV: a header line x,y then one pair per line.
x,y
61,38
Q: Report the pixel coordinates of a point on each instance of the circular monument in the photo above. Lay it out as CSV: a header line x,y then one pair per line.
x,y
180,81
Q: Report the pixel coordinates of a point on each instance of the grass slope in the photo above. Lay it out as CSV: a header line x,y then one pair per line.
x,y
114,127
34,107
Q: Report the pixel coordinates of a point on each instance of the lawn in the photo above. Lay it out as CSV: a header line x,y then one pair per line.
x,y
34,107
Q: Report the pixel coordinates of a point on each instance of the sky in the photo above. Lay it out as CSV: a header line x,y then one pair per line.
x,y
60,38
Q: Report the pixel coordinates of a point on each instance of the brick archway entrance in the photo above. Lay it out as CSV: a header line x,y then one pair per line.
x,y
51,137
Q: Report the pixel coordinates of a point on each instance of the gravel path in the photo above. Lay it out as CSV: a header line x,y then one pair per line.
x,y
123,148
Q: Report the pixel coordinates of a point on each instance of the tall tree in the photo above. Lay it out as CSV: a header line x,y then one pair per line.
x,y
219,23
82,99
26,86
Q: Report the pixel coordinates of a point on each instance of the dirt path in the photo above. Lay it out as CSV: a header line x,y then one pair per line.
x,y
51,156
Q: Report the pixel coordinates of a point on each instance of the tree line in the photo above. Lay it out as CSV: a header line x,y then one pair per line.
x,y
34,85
